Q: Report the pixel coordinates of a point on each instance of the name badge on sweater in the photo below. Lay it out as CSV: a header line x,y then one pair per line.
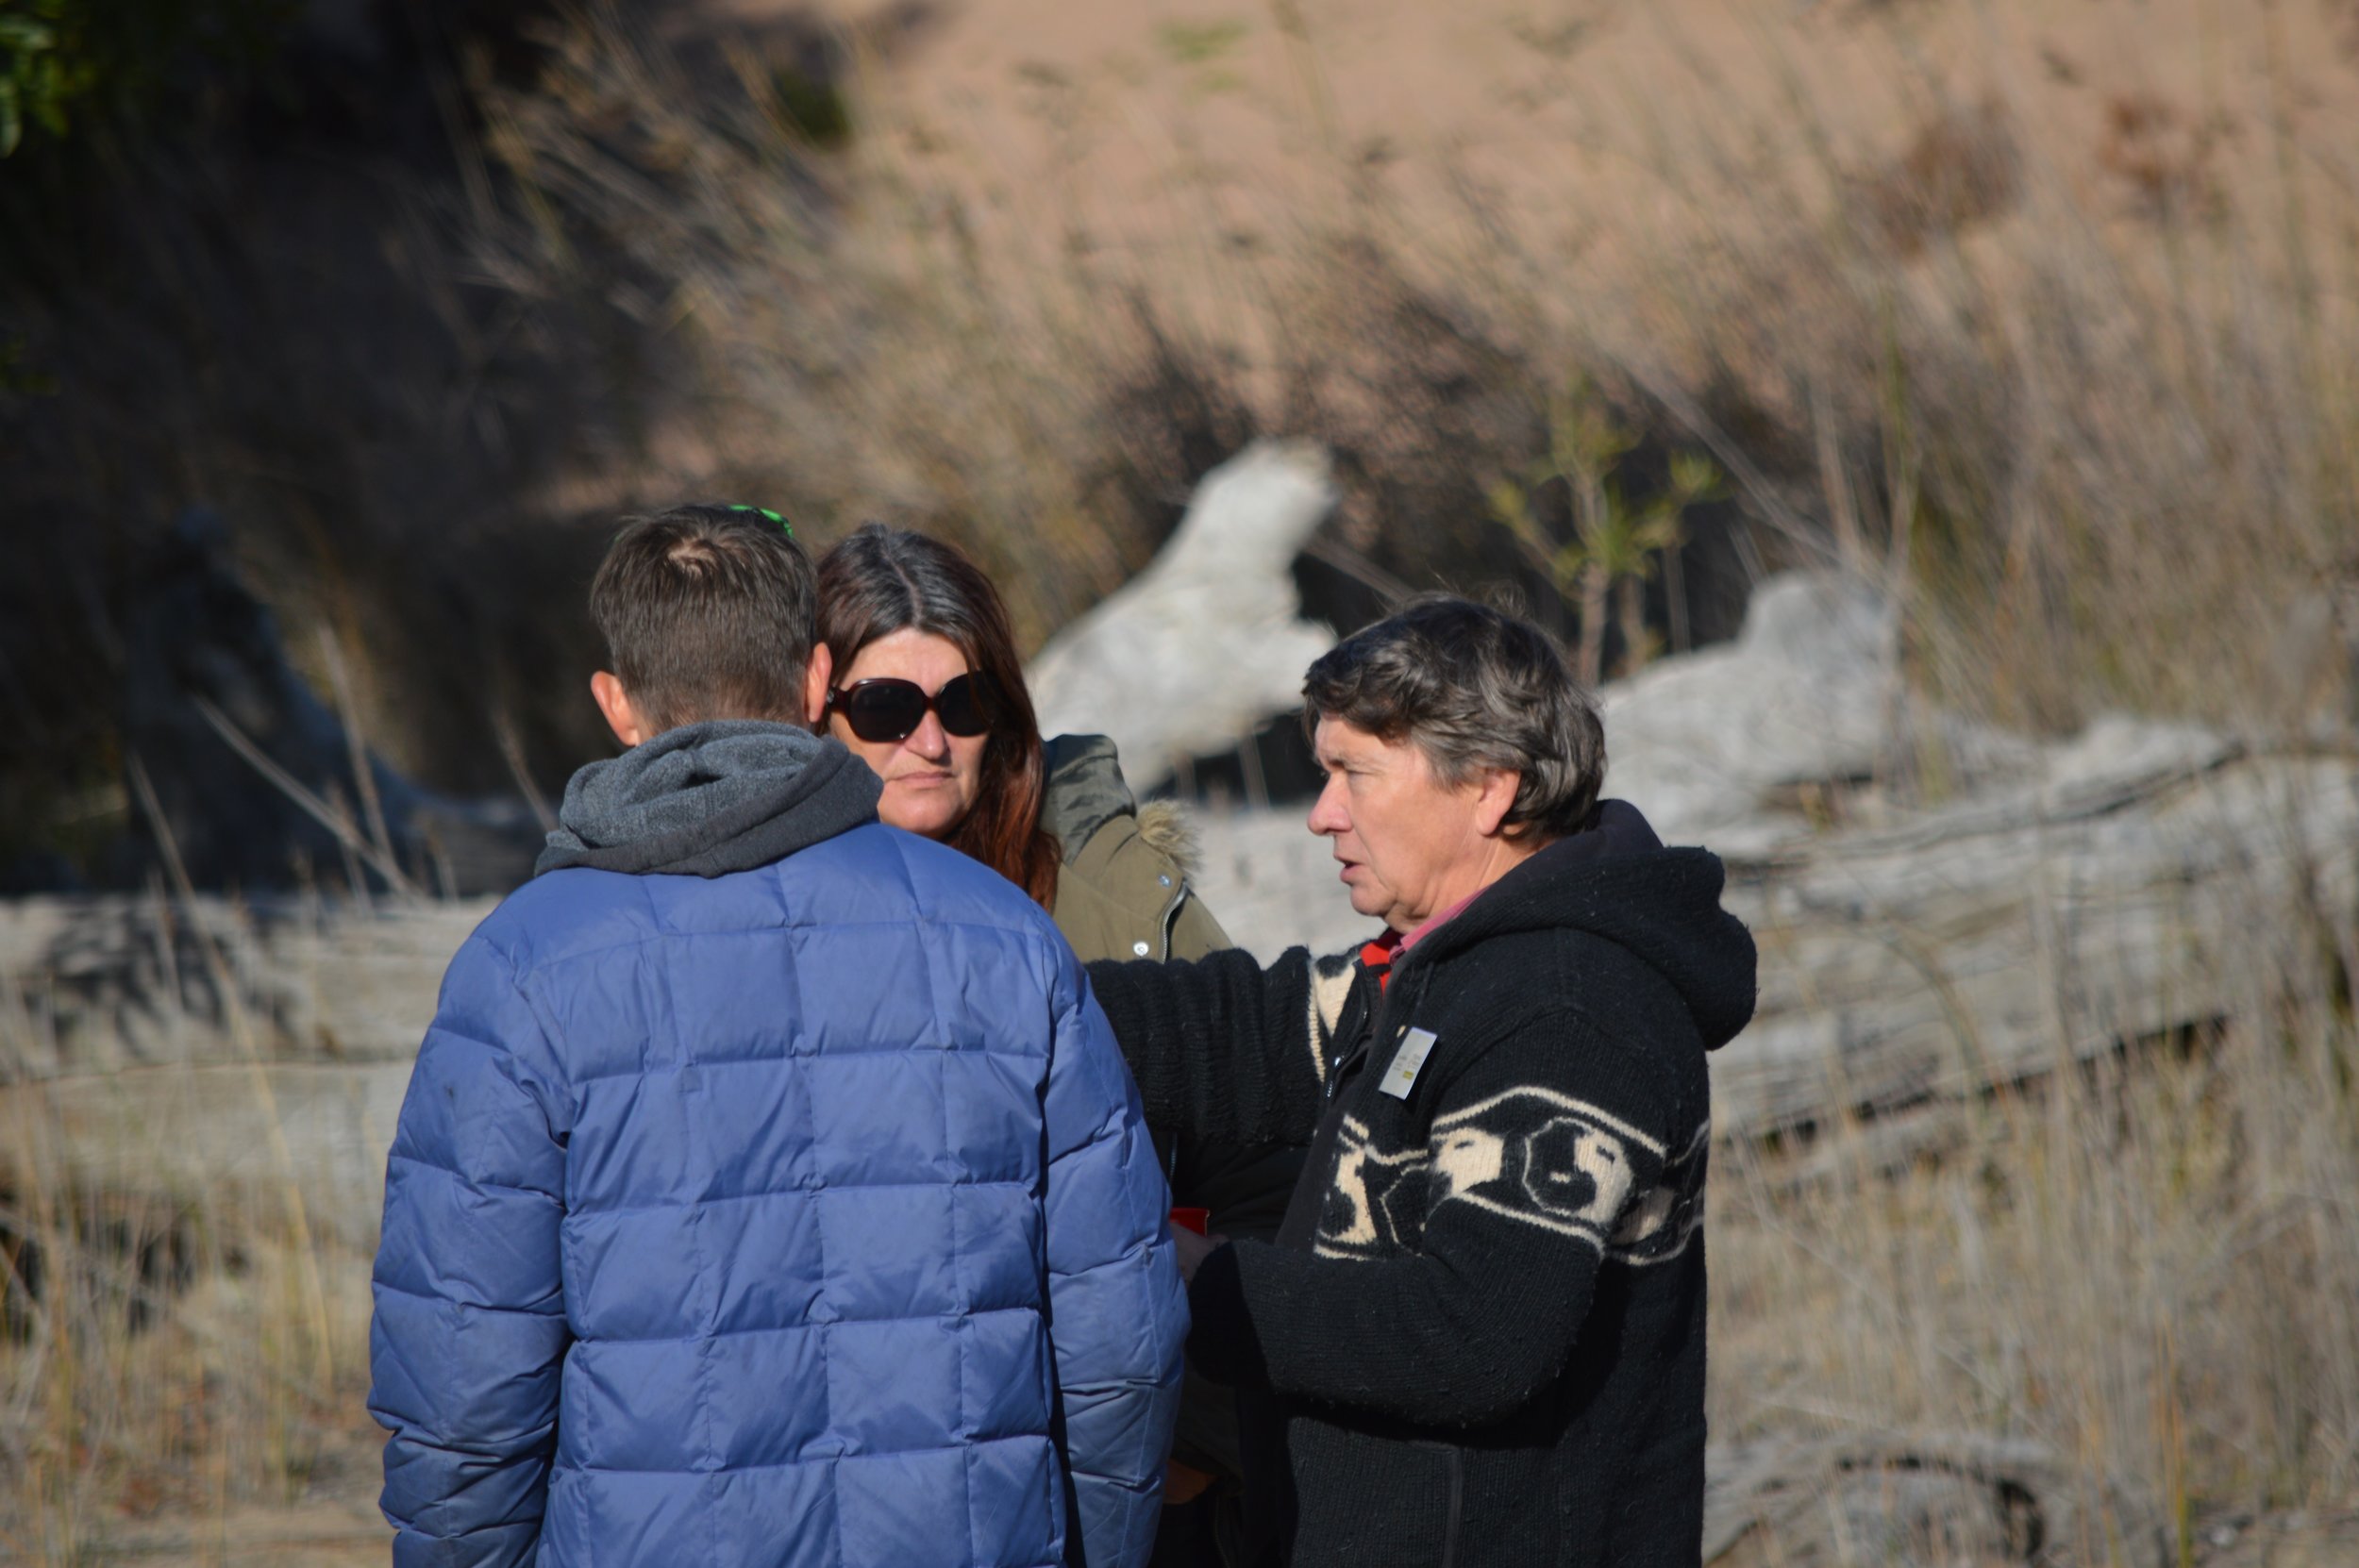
x,y
1401,1076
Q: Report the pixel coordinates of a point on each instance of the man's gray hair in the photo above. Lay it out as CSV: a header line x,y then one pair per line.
x,y
1473,687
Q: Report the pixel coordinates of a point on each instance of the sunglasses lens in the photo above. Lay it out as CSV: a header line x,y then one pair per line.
x,y
884,710
891,709
964,705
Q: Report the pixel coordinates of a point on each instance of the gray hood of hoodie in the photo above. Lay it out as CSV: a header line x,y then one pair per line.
x,y
707,799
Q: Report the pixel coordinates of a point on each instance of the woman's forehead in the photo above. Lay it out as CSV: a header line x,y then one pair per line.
x,y
925,657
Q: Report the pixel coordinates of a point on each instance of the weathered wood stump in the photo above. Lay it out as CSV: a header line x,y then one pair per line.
x,y
1933,1499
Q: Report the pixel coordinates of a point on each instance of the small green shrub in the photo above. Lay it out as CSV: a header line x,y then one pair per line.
x,y
62,61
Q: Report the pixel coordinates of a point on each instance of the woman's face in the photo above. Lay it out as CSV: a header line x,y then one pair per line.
x,y
932,777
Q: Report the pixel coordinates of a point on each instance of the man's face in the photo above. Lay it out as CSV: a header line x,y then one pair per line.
x,y
1410,845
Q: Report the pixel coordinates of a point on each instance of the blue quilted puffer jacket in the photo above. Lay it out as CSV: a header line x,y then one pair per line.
x,y
800,1215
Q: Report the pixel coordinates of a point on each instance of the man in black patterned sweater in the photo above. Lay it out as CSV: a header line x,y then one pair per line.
x,y
1479,1337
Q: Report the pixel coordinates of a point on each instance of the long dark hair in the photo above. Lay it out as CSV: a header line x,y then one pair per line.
x,y
881,580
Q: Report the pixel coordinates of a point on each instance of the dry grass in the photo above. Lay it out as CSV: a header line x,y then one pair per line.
x,y
851,361
168,1377
2069,367
2151,1268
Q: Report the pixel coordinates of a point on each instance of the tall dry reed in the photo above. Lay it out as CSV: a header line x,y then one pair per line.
x,y
2149,1267
174,1363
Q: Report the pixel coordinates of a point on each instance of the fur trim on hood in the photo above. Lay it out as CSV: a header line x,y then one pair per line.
x,y
1169,828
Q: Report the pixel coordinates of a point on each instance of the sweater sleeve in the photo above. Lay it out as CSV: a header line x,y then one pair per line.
x,y
469,1332
1547,1163
1221,1048
1117,1318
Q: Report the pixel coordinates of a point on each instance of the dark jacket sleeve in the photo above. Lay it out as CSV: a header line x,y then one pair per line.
x,y
469,1334
1118,1319
1221,1048
1542,1157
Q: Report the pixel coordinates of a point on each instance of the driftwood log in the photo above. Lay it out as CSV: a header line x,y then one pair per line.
x,y
184,1046
2062,902
1190,656
214,1056
1999,940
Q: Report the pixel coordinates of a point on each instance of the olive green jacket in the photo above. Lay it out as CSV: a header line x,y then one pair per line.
x,y
1123,890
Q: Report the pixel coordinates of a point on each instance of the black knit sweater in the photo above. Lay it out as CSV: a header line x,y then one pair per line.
x,y
1482,1328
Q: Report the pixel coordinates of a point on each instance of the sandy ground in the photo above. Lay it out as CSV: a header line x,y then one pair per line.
x,y
342,1532
1170,142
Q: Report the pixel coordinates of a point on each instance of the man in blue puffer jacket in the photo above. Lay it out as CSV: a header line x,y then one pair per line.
x,y
769,1190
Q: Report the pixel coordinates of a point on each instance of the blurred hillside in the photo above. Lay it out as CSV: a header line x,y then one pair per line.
x,y
2043,317
2047,310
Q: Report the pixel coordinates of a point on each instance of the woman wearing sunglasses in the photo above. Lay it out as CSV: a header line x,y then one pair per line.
x,y
929,693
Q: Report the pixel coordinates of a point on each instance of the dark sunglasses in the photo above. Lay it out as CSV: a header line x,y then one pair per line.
x,y
890,709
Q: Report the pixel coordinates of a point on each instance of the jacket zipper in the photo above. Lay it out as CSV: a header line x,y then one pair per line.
x,y
1170,917
1384,1012
1341,1067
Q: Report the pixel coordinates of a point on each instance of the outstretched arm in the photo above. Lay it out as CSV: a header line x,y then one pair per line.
x,y
1222,1048
470,1331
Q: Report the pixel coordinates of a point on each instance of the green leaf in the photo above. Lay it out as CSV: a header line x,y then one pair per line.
x,y
1693,477
1198,42
1508,505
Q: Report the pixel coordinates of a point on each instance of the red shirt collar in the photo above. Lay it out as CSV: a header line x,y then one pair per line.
x,y
1379,953
1427,928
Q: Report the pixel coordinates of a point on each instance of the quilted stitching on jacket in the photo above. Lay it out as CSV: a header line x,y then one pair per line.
x,y
779,1218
